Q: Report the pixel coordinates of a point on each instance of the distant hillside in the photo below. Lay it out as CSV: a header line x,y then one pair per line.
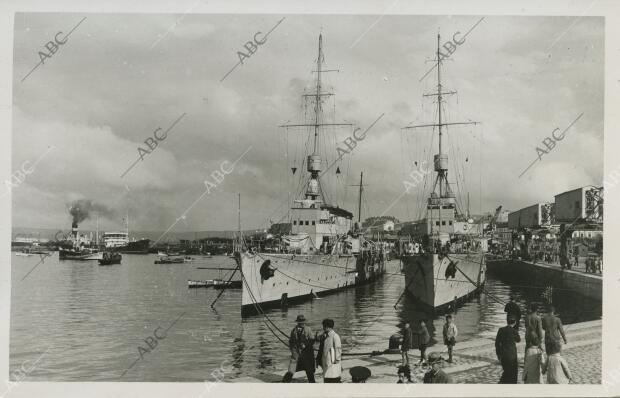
x,y
46,233
378,221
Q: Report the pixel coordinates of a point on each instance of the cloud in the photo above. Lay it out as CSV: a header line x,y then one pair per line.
x,y
107,90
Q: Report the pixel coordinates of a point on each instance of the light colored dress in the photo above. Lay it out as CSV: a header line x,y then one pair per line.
x,y
534,360
557,370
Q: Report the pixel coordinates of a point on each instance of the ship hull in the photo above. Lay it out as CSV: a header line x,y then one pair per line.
x,y
298,277
79,255
431,280
138,247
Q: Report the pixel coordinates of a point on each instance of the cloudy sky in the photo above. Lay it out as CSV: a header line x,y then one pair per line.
x,y
120,77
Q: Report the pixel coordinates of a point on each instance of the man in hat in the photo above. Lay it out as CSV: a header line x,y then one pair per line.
x,y
513,309
301,344
359,374
506,350
435,375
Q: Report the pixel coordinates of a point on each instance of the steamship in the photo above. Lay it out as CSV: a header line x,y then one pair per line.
x,y
447,263
119,241
323,252
78,247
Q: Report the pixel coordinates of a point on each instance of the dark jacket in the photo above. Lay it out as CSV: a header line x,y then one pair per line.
x,y
533,331
301,344
438,377
512,308
506,343
553,328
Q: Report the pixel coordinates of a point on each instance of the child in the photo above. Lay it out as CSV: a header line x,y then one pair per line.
x,y
449,335
404,372
406,345
424,339
557,369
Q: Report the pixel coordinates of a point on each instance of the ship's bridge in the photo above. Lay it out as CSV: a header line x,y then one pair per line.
x,y
441,214
322,225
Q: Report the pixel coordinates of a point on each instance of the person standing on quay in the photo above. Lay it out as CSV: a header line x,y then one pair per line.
x,y
449,335
423,340
553,332
506,350
301,344
513,309
406,344
330,352
533,328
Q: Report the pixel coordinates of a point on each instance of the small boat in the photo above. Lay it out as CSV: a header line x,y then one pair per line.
x,y
167,254
110,258
215,283
194,284
23,254
170,260
227,284
94,256
188,259
41,251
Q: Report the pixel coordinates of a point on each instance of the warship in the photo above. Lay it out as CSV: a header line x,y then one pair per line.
x,y
444,262
324,250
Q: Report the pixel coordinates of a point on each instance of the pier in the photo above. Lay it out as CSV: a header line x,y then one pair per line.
x,y
544,274
474,360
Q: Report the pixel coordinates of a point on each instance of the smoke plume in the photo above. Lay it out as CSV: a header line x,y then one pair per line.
x,y
83,209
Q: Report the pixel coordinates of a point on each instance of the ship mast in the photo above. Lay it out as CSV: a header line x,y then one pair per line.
x,y
313,190
317,98
359,205
445,195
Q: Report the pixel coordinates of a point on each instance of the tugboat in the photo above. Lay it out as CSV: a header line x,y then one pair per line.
x,y
80,247
110,258
448,262
323,252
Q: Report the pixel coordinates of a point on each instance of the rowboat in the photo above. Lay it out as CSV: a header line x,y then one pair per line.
x,y
170,260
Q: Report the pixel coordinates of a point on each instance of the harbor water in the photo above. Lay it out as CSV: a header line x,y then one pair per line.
x,y
79,321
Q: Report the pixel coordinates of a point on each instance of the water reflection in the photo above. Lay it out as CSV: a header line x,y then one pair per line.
x,y
94,317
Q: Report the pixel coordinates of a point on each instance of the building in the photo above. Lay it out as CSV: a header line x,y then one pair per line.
x,y
385,226
534,216
583,204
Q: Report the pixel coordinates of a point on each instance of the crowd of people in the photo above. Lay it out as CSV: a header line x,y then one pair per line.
x,y
592,263
539,360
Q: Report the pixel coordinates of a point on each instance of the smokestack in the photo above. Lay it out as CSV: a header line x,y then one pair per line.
x,y
74,230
